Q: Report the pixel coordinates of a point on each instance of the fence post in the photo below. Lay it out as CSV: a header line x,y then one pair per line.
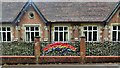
x,y
37,48
82,49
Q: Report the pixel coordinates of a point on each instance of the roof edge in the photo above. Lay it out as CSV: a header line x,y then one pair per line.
x,y
112,13
25,7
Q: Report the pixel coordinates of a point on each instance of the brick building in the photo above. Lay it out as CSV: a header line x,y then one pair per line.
x,y
60,21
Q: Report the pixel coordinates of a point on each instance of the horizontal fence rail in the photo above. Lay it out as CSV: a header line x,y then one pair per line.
x,y
106,48
17,48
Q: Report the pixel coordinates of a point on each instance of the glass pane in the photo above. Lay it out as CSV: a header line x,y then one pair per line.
x,y
56,28
8,28
0,37
85,33
36,33
3,29
118,27
4,36
66,36
27,28
0,28
94,36
94,28
114,27
65,28
61,36
61,28
36,28
85,28
118,36
32,28
90,28
56,36
32,36
8,36
114,36
90,36
27,36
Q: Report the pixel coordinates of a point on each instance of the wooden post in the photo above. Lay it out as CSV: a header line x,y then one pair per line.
x,y
37,48
82,49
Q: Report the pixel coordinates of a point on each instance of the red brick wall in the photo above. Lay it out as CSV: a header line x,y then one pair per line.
x,y
26,20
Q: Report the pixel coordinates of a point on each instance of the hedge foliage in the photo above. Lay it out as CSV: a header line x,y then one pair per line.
x,y
103,48
92,49
17,48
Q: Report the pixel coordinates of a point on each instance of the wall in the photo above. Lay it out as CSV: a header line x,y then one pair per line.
x,y
25,20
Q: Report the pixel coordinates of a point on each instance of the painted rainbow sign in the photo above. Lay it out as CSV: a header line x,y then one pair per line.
x,y
59,45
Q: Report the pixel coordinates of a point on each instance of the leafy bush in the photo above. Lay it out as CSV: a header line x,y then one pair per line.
x,y
17,48
103,48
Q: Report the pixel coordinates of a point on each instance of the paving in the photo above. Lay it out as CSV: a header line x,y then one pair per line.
x,y
64,66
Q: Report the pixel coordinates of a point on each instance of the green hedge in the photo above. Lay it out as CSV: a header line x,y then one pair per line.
x,y
103,48
17,48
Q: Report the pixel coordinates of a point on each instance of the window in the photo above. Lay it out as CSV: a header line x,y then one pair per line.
x,y
91,33
61,33
31,32
31,15
116,33
5,34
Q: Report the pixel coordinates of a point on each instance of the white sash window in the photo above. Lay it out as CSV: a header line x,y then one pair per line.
x,y
116,33
5,34
91,33
31,32
61,33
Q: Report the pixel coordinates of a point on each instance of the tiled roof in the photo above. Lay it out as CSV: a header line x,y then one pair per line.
x,y
10,10
76,11
62,11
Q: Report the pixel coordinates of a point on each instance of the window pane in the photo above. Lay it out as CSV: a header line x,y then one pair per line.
x,y
36,28
3,29
27,28
32,28
118,27
61,28
4,36
8,36
94,28
90,28
36,33
56,28
114,27
0,37
94,36
90,36
66,36
61,36
85,33
65,28
32,36
27,36
118,36
56,36
8,28
114,36
85,28
0,28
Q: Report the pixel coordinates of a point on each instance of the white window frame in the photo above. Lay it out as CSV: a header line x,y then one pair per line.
x,y
92,32
31,25
115,24
6,33
59,32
